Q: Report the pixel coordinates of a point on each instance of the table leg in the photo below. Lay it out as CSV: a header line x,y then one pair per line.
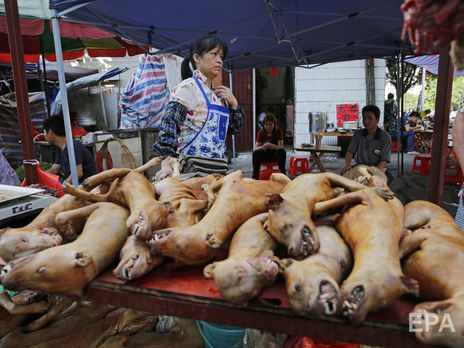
x,y
317,161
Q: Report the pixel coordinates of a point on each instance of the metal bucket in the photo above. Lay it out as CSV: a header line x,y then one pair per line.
x,y
317,121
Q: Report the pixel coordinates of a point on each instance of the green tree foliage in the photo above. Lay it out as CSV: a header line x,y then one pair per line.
x,y
410,101
412,74
431,92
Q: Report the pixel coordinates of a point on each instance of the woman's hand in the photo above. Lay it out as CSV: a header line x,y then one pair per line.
x,y
266,146
226,94
165,170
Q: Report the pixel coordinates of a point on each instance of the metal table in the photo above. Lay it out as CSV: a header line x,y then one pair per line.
x,y
317,153
183,292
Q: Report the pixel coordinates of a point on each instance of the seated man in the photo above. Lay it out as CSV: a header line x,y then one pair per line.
x,y
410,125
371,145
54,133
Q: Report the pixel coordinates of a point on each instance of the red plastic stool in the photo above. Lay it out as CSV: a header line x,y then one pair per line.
x,y
266,169
421,164
298,165
453,173
394,147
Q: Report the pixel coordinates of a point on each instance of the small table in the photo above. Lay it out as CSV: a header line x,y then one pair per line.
x,y
317,153
343,139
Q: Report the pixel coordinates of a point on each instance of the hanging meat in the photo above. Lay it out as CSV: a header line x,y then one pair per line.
x,y
432,24
434,255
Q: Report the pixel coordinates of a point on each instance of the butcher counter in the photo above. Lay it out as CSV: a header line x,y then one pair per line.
x,y
184,292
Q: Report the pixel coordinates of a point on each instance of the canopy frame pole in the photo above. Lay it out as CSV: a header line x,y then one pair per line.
x,y
440,126
254,108
398,119
286,37
64,95
22,97
402,112
337,20
44,82
56,14
102,101
233,135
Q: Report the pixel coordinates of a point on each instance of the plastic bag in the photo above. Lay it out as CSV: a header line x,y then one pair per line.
x,y
44,178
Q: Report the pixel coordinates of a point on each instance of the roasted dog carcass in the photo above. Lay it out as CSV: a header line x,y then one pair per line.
x,y
67,269
237,200
188,199
251,264
313,283
434,255
135,259
372,227
134,191
290,221
42,232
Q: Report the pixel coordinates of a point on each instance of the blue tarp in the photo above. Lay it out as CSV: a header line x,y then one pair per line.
x,y
258,32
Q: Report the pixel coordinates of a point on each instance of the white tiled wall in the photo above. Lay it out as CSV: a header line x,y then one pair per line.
x,y
324,87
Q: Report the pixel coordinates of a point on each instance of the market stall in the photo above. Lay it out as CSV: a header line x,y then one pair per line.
x,y
184,292
171,290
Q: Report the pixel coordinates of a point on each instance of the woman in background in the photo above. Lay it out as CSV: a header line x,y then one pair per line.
x,y
199,115
269,145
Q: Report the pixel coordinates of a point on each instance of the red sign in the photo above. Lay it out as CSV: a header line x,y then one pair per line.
x,y
273,71
347,112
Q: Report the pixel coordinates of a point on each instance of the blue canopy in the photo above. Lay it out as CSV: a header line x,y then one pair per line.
x,y
258,32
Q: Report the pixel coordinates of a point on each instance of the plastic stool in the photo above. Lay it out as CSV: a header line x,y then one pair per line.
x,y
455,175
266,169
421,164
298,165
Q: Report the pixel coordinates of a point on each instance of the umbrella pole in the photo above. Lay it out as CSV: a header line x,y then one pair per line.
x,y
22,97
64,96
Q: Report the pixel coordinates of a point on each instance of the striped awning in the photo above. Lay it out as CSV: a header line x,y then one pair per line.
x,y
430,63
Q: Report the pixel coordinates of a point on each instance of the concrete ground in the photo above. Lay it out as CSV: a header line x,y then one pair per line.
x,y
406,186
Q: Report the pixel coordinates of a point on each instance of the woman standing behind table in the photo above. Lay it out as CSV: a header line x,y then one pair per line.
x,y
199,115
269,145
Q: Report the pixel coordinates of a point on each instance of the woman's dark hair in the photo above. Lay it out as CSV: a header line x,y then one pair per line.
x,y
372,108
271,118
415,114
56,124
201,46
